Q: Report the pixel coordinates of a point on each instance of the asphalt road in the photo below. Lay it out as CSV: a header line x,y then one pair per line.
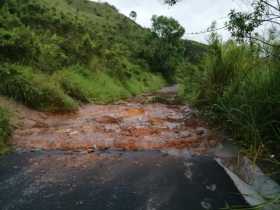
x,y
113,181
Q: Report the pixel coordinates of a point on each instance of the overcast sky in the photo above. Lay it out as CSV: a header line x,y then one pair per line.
x,y
194,15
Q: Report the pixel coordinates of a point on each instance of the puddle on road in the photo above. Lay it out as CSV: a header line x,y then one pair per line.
x,y
126,126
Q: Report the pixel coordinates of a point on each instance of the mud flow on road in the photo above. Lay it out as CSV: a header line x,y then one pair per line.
x,y
146,153
131,125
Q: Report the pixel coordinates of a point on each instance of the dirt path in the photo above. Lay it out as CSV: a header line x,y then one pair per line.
x,y
136,124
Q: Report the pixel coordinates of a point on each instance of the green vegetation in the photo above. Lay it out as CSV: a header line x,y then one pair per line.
x,y
167,48
237,87
99,87
55,53
87,87
237,83
33,89
4,131
194,51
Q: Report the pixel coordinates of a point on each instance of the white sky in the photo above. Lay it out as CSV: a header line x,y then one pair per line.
x,y
194,15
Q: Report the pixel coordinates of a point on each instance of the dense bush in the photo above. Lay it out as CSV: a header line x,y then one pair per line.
x,y
50,35
144,82
39,38
86,86
33,89
98,87
238,87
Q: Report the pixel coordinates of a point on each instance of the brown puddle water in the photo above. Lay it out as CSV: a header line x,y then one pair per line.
x,y
131,125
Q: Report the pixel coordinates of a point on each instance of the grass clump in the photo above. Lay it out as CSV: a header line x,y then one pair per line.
x,y
34,89
85,86
99,87
108,89
75,85
238,88
61,90
144,82
4,131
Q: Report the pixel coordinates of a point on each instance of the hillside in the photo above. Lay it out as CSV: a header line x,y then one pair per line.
x,y
58,46
56,54
64,38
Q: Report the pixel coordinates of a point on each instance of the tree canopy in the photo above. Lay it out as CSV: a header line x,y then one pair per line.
x,y
166,46
243,25
167,28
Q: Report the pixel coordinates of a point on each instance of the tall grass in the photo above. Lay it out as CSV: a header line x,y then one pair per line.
x,y
99,87
63,89
144,82
33,89
238,88
87,87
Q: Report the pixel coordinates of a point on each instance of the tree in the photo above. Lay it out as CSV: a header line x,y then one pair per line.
x,y
167,28
166,47
133,15
243,25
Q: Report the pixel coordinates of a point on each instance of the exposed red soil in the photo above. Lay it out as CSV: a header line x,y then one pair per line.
x,y
128,126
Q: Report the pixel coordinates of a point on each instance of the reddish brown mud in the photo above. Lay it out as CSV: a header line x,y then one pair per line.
x,y
130,125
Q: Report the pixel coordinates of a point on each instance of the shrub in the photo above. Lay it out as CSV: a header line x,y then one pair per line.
x,y
99,87
75,85
144,82
41,41
33,89
87,86
238,88
107,89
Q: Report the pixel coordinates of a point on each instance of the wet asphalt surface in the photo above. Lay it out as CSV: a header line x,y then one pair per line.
x,y
113,180
118,167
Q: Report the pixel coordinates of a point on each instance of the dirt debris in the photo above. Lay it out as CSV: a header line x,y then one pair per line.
x,y
130,125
